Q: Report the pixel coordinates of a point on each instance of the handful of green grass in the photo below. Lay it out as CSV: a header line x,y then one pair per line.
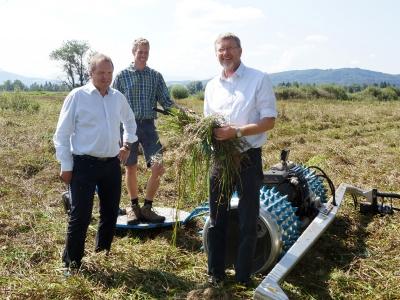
x,y
197,150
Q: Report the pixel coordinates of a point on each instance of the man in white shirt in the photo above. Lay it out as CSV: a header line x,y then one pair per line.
x,y
87,142
245,98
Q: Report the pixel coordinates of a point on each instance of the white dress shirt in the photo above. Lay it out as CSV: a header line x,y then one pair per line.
x,y
244,98
89,124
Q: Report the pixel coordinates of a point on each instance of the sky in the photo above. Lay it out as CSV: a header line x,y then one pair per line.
x,y
276,35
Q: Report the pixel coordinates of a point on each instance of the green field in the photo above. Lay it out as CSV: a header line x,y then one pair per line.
x,y
355,142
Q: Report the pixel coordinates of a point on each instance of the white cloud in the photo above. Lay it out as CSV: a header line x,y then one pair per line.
x,y
316,38
209,13
281,35
181,34
38,27
263,49
293,56
196,25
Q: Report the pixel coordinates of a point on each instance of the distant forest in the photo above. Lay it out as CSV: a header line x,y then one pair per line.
x,y
289,90
381,92
18,85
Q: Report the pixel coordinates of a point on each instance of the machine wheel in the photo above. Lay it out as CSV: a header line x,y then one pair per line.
x,y
315,183
278,228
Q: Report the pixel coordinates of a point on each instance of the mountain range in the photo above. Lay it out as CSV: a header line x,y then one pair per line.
x,y
343,76
4,75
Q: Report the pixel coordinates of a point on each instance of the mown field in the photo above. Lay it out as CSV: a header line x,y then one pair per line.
x,y
357,258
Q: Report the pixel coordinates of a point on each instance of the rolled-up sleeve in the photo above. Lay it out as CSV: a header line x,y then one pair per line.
x,y
64,130
128,122
265,99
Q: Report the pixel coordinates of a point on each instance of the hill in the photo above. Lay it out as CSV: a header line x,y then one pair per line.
x,y
344,76
4,75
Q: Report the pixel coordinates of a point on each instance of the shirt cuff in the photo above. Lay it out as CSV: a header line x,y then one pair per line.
x,y
130,138
67,165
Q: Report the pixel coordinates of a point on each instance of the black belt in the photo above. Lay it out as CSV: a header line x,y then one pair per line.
x,y
253,150
89,157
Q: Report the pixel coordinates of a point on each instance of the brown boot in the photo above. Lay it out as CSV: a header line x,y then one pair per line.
x,y
149,215
133,215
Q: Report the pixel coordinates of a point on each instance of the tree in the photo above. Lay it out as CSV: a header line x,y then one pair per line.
x,y
7,85
194,87
18,85
73,55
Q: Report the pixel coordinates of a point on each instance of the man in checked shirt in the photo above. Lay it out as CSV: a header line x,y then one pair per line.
x,y
143,87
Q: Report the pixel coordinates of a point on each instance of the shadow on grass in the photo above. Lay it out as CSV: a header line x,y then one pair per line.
x,y
140,283
343,241
187,238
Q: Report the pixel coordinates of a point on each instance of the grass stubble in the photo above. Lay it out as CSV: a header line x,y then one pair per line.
x,y
357,258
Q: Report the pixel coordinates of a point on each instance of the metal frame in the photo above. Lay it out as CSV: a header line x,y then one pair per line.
x,y
269,288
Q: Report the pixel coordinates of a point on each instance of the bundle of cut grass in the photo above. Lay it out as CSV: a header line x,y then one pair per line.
x,y
197,150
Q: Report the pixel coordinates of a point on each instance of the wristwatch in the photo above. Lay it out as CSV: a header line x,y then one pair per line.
x,y
127,146
238,133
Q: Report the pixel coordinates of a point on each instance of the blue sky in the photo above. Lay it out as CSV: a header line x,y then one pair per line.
x,y
276,35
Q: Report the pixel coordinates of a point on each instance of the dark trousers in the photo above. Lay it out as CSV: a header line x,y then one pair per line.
x,y
86,175
248,186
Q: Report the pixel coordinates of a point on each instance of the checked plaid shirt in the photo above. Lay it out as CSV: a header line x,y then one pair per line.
x,y
143,89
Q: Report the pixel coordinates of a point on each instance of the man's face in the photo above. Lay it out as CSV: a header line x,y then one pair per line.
x,y
141,55
228,54
102,75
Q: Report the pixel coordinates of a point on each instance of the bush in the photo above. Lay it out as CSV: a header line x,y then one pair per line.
x,y
313,92
335,91
179,92
18,102
376,93
194,87
199,95
389,93
284,93
395,89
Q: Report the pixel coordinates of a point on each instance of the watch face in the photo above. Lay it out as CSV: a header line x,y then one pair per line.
x,y
238,133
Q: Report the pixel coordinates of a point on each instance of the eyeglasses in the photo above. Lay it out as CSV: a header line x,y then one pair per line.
x,y
229,49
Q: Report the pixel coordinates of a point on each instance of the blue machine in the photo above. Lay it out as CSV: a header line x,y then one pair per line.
x,y
172,216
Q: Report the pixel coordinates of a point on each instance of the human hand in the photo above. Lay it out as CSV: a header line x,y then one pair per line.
x,y
224,133
66,176
123,154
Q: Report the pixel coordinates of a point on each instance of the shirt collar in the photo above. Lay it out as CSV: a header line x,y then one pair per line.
x,y
132,67
91,88
238,73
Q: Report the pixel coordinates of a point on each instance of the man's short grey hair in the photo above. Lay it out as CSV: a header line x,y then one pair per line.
x,y
98,58
227,36
139,42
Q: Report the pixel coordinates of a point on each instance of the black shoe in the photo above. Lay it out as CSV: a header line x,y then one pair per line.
x,y
121,211
147,214
71,269
133,215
